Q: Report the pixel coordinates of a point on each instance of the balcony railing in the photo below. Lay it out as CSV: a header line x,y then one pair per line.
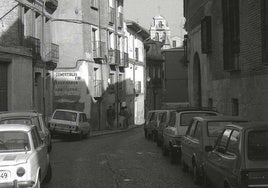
x,y
98,88
52,56
111,15
114,57
34,44
98,49
120,20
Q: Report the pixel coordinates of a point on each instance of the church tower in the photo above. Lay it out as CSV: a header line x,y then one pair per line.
x,y
160,31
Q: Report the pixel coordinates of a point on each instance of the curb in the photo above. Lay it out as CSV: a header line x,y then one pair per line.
x,y
113,131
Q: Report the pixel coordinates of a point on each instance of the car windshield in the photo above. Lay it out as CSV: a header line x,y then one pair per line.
x,y
64,115
186,118
24,121
258,145
14,141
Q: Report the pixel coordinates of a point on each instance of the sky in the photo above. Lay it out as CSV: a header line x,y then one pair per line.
x,y
143,11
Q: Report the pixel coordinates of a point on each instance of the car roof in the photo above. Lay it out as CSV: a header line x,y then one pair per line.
x,y
250,125
15,127
19,114
66,110
187,109
164,110
221,118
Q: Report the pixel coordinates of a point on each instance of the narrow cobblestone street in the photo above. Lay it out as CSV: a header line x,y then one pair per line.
x,y
118,160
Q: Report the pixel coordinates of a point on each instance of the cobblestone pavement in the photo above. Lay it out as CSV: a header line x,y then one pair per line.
x,y
118,160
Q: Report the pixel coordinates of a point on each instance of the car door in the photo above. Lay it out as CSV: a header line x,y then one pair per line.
x,y
41,151
215,165
187,142
87,125
196,144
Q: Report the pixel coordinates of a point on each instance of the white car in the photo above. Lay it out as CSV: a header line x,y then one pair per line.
x,y
69,122
24,160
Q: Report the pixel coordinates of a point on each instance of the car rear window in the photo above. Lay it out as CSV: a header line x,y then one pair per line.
x,y
214,128
258,145
186,117
172,119
14,141
24,121
64,115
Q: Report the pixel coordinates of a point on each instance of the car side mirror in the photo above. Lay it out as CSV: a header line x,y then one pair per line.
x,y
208,148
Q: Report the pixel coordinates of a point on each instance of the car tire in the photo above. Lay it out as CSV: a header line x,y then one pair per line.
x,y
164,150
49,174
172,156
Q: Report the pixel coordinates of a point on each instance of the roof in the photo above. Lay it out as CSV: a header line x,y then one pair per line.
x,y
250,125
144,33
18,114
221,118
187,109
66,110
15,127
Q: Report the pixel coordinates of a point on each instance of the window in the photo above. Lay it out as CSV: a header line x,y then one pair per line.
x,y
153,117
94,4
206,41
222,143
198,131
164,117
232,148
192,129
264,16
36,138
174,44
137,54
156,36
172,119
257,145
235,107
231,36
65,115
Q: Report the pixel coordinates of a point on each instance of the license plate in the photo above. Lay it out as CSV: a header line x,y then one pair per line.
x,y
4,174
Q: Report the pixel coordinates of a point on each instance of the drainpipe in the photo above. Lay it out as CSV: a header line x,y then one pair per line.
x,y
43,58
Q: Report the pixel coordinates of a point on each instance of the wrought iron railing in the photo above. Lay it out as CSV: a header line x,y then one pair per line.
x,y
98,90
98,49
34,44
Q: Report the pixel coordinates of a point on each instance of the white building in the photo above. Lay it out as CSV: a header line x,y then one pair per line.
x,y
135,72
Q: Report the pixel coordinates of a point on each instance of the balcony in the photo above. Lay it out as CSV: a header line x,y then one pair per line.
x,y
52,56
51,5
98,50
124,60
111,15
120,20
34,44
97,89
114,57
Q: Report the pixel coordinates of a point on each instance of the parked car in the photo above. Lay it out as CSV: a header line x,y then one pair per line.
x,y
28,118
24,157
168,118
201,133
69,122
240,157
172,134
152,121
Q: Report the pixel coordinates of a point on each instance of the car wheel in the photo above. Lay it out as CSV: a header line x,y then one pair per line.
x,y
164,150
172,156
49,174
196,176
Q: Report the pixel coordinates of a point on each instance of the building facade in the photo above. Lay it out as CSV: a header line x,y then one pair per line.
x,y
27,55
92,58
227,53
135,73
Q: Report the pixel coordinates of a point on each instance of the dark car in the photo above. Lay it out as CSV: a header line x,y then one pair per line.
x,y
203,132
28,118
240,157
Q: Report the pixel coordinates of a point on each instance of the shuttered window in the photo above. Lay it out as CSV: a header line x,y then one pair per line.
x,y
206,35
3,86
231,33
264,13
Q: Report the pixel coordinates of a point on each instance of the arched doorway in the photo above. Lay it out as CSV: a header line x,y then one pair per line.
x,y
197,84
